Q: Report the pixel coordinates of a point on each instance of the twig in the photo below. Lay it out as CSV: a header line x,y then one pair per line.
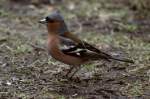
x,y
37,48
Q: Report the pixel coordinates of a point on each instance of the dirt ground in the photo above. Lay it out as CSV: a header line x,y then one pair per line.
x,y
114,26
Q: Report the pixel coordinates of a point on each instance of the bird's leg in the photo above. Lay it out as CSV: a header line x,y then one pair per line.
x,y
70,70
77,69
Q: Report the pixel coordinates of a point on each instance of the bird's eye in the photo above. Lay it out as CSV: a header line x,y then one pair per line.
x,y
47,18
50,20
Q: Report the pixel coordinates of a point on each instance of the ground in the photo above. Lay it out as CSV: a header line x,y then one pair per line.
x,y
116,27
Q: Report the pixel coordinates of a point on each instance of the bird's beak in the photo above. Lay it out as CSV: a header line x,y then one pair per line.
x,y
43,21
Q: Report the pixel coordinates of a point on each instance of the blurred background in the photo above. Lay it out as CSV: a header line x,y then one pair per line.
x,y
119,27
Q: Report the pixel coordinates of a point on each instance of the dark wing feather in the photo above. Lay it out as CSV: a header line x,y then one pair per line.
x,y
102,54
94,49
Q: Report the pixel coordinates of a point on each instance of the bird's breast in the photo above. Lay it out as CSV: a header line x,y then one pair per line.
x,y
52,44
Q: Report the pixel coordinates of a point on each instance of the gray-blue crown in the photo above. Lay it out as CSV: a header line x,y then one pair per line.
x,y
55,15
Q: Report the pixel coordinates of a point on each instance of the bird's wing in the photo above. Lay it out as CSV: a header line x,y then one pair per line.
x,y
88,46
87,51
70,47
102,54
66,41
83,50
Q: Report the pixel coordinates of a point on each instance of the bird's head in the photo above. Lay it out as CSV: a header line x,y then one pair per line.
x,y
55,23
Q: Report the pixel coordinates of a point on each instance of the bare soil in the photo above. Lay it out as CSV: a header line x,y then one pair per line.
x,y
28,72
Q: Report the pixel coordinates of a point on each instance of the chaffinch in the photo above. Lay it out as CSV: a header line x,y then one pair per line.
x,y
75,52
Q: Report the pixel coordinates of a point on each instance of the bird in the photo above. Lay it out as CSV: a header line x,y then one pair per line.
x,y
68,48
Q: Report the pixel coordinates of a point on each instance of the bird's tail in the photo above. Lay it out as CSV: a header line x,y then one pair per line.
x,y
122,60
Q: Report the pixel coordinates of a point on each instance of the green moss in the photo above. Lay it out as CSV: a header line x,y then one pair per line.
x,y
3,13
136,89
22,49
89,66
